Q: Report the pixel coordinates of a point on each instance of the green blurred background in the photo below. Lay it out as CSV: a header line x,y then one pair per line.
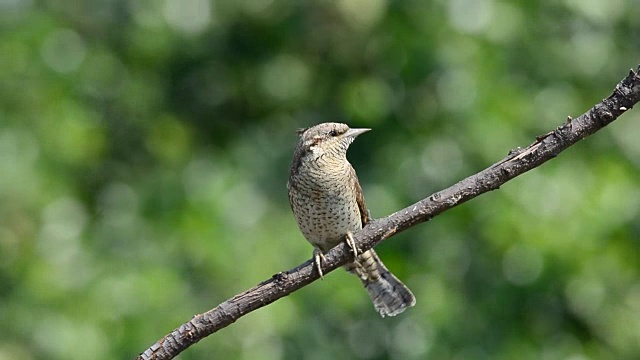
x,y
145,146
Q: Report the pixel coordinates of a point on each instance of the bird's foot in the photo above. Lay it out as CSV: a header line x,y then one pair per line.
x,y
352,244
318,257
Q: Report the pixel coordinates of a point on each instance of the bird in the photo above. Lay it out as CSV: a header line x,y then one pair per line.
x,y
328,205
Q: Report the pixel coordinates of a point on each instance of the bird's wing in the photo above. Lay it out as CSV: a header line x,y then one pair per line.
x,y
362,206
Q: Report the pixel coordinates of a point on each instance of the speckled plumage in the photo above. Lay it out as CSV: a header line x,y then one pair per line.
x,y
328,203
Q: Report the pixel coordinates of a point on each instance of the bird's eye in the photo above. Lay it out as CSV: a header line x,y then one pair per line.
x,y
333,133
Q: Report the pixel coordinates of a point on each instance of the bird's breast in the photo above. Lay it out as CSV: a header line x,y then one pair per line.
x,y
325,208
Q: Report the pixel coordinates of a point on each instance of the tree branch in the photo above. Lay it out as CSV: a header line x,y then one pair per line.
x,y
519,161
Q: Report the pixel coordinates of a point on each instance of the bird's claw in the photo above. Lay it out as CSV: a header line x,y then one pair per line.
x,y
352,244
318,257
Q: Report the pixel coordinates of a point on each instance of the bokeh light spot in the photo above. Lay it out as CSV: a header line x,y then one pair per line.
x,y
188,16
285,78
369,99
63,50
457,90
472,16
522,264
362,14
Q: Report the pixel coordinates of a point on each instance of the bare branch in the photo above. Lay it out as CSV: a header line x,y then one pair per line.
x,y
519,161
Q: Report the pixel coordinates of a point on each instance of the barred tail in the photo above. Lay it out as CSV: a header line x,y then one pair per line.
x,y
389,295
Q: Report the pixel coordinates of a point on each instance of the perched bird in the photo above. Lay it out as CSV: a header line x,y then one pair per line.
x,y
329,206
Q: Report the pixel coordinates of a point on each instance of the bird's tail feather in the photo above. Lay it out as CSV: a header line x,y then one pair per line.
x,y
389,295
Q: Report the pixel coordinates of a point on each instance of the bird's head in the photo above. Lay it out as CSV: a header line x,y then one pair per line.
x,y
327,139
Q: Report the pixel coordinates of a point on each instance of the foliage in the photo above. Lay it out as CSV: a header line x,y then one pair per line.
x,y
145,147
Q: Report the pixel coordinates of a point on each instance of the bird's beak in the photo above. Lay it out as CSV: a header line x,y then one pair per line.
x,y
355,132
